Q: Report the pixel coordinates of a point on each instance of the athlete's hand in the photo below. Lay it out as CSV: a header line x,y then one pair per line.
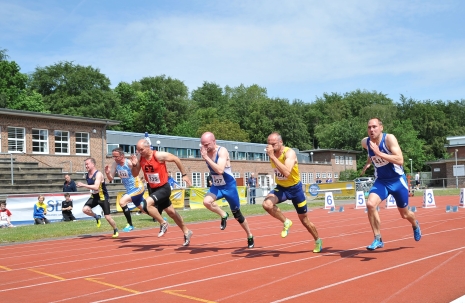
x,y
203,152
269,150
133,159
79,184
107,170
374,148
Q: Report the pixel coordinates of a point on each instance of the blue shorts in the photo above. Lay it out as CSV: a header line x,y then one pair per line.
x,y
397,187
294,193
229,193
137,196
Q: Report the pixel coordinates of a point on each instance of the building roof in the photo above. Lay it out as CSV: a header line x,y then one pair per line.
x,y
23,113
319,150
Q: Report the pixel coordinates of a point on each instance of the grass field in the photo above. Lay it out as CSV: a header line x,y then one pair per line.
x,y
85,227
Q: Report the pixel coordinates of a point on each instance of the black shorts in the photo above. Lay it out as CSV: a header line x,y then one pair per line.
x,y
95,200
417,182
161,196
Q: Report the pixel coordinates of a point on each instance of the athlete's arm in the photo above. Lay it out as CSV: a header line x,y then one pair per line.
x,y
169,157
396,153
135,164
286,168
98,180
223,156
110,172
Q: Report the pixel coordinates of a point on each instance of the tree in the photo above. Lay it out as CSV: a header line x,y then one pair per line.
x,y
75,90
224,130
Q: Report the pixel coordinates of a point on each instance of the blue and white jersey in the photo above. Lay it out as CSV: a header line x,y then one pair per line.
x,y
383,168
131,183
226,179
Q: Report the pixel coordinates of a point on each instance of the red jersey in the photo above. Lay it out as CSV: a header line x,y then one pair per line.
x,y
4,214
155,173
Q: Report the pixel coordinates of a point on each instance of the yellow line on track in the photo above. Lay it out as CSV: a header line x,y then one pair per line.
x,y
174,293
112,285
46,274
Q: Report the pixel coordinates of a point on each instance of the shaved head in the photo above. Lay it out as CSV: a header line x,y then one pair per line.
x,y
208,141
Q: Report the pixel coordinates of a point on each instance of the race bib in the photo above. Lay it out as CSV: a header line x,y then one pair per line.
x,y
378,161
218,180
93,191
153,178
279,175
123,174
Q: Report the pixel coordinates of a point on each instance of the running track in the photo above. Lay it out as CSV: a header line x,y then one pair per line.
x,y
216,267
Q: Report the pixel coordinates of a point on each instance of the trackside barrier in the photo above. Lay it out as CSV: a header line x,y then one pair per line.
x,y
329,200
462,196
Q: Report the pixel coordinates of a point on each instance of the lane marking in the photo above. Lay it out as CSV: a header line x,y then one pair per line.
x,y
365,275
112,285
46,274
174,293
5,268
280,264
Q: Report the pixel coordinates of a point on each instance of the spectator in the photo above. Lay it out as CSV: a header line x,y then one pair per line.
x,y
318,180
66,209
252,184
40,210
69,185
417,180
5,215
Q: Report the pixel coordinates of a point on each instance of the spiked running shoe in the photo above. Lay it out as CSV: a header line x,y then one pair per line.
x,y
115,233
250,242
417,232
128,228
98,219
287,225
163,229
318,245
223,222
187,238
376,244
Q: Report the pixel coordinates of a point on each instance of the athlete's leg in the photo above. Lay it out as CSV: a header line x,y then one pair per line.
x,y
269,204
151,210
176,218
123,202
209,203
373,215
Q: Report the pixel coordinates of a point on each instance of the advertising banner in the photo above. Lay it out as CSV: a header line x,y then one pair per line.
x,y
22,207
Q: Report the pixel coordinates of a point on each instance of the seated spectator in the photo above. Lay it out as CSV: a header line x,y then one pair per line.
x,y
5,215
69,185
40,210
66,209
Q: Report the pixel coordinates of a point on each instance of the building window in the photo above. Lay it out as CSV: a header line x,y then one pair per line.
x,y
347,160
350,160
196,180
61,142
82,143
205,181
336,159
247,175
236,175
110,147
329,175
335,176
342,160
318,175
303,177
40,141
310,178
16,139
323,175
179,179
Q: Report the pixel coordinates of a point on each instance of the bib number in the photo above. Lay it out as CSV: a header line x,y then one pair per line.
x,y
218,180
123,174
279,175
153,178
378,161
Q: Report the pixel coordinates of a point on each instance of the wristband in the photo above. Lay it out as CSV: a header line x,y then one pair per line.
x,y
184,175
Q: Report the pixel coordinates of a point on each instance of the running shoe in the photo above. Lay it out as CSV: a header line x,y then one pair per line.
x,y
318,245
250,242
128,228
163,229
115,233
187,238
376,244
223,222
287,225
417,232
98,220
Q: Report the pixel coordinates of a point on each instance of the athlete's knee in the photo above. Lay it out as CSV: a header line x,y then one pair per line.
x,y
238,216
143,204
267,204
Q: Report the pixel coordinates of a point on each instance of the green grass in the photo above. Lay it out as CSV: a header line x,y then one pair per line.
x,y
87,227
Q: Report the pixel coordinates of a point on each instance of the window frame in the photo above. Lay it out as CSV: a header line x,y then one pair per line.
x,y
82,143
23,140
62,142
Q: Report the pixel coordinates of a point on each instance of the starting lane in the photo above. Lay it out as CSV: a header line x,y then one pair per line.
x,y
216,267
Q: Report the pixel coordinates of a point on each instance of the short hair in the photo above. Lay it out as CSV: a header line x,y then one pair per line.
x,y
41,196
3,203
278,136
91,160
379,120
119,150
67,195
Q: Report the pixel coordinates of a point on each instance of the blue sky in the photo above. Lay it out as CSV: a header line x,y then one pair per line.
x,y
296,49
